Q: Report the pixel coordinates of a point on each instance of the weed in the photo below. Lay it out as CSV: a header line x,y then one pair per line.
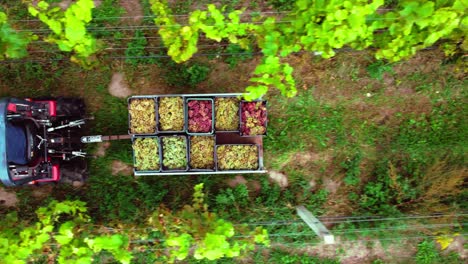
x,y
237,197
230,4
302,123
112,117
427,253
182,75
147,13
121,197
106,14
238,54
376,199
281,256
31,79
16,10
377,69
424,136
137,55
282,5
182,7
135,51
353,170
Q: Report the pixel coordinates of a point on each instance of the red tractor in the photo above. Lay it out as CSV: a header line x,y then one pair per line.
x,y
40,141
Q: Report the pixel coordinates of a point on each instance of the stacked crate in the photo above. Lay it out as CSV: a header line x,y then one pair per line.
x,y
196,134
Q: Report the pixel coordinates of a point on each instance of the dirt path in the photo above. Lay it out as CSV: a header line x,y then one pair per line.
x,y
7,198
134,11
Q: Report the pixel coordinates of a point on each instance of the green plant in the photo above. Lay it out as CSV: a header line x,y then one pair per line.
x,y
197,73
427,253
227,114
376,198
13,44
202,152
353,170
69,28
185,74
130,200
60,223
146,152
237,54
415,25
136,48
171,113
174,152
237,157
282,4
285,257
317,26
209,236
142,116
108,13
377,69
237,197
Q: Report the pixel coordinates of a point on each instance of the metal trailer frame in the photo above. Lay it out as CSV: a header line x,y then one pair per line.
x,y
222,138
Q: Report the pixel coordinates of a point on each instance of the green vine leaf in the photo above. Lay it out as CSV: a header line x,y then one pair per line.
x,y
69,29
179,246
13,44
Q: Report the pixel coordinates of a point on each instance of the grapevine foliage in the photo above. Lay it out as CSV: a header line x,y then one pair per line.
x,y
317,26
420,24
64,232
69,28
19,240
12,43
202,233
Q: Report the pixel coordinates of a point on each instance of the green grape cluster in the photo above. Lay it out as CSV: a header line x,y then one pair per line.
x,y
227,113
146,151
174,152
142,116
171,113
237,157
201,152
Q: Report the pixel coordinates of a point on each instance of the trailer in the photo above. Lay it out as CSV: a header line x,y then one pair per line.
x,y
231,140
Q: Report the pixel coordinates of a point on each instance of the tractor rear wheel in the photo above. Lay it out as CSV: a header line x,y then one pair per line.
x,y
70,107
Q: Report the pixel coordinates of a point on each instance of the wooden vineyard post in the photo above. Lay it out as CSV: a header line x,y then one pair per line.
x,y
315,225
